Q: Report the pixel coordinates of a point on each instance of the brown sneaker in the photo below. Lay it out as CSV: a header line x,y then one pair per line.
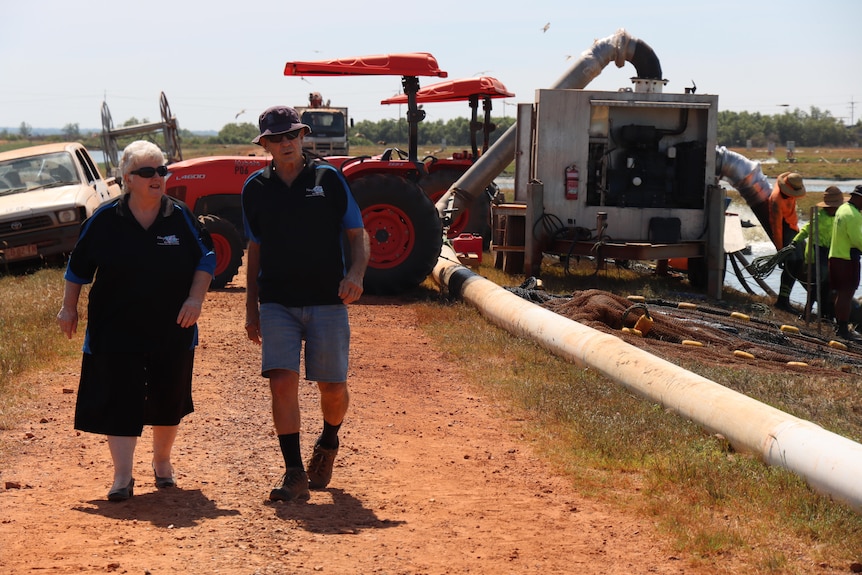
x,y
320,466
294,486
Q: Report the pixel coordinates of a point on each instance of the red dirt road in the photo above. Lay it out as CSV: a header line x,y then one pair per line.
x,y
431,478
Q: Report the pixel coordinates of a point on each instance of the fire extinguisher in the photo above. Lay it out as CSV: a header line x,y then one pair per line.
x,y
572,181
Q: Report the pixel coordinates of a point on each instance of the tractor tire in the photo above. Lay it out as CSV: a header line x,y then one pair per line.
x,y
474,220
227,242
405,231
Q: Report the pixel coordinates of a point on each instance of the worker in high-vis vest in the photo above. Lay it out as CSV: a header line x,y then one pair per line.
x,y
816,251
844,255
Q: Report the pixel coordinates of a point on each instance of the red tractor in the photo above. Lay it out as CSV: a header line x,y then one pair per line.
x,y
395,190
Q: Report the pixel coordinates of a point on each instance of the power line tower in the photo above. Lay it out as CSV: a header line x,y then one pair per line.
x,y
852,107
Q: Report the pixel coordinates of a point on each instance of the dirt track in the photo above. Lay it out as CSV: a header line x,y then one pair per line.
x,y
430,479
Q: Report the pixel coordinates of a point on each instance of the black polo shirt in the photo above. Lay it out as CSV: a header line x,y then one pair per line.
x,y
142,277
300,232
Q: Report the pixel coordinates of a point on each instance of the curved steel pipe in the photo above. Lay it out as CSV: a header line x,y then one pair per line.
x,y
745,176
618,48
829,463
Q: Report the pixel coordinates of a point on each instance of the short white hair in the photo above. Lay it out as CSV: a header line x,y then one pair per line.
x,y
140,150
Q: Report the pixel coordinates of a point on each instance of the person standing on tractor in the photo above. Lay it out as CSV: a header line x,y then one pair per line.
x,y
844,255
296,213
784,225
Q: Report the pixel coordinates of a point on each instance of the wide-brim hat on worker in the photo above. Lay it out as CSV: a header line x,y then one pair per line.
x,y
279,120
790,184
832,198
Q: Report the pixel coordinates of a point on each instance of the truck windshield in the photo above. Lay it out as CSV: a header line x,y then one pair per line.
x,y
25,174
325,124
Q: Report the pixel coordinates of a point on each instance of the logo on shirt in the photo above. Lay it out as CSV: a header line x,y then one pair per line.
x,y
316,191
167,240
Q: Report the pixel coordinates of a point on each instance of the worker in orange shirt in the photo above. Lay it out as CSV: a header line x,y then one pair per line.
x,y
784,225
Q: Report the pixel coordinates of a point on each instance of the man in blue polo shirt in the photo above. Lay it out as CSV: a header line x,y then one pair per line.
x,y
297,212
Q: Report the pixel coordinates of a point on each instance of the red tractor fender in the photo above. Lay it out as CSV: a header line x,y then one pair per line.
x,y
407,64
456,90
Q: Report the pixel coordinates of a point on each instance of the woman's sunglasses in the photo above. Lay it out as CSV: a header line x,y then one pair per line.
x,y
149,171
276,138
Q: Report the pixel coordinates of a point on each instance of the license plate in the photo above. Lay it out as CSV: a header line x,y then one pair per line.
x,y
20,252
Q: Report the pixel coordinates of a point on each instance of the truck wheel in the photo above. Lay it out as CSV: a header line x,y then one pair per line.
x,y
476,219
228,249
405,230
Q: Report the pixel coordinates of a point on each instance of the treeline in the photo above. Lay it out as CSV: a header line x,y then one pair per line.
x,y
451,133
814,128
735,129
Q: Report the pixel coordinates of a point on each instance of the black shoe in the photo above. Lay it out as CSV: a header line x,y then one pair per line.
x,y
784,305
123,493
164,482
294,486
320,466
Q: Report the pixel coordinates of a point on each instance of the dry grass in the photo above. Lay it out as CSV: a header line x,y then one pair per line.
x,y
820,163
30,336
723,508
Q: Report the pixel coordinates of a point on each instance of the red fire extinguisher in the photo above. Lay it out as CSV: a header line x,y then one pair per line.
x,y
572,181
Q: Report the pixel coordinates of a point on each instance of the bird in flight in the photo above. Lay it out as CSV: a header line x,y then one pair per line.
x,y
545,27
238,114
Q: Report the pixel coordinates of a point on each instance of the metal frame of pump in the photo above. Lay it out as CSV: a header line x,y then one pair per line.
x,y
639,165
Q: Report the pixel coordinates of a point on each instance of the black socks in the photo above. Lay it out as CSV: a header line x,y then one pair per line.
x,y
289,444
329,437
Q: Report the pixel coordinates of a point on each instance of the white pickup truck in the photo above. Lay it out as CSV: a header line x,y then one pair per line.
x,y
45,193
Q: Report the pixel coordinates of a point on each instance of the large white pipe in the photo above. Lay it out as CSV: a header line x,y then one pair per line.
x,y
829,463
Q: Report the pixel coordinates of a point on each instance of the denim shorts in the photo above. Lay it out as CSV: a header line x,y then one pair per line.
x,y
326,331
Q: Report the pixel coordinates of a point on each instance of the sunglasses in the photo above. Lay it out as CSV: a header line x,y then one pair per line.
x,y
149,171
276,138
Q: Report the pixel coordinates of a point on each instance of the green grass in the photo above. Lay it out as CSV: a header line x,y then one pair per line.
x,y
720,507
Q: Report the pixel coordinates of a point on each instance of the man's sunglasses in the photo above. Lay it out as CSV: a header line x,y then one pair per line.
x,y
149,171
276,138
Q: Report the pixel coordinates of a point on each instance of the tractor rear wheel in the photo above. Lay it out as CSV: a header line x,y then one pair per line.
x,y
227,242
406,232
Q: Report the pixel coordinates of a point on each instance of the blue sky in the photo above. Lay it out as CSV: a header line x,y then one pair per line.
x,y
223,63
